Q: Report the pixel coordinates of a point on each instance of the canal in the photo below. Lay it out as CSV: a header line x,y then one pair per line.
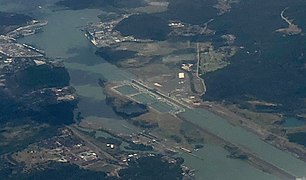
x,y
62,39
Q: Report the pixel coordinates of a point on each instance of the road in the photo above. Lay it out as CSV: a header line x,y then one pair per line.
x,y
198,68
90,144
284,18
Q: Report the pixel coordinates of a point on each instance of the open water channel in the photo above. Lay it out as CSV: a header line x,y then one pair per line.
x,y
62,38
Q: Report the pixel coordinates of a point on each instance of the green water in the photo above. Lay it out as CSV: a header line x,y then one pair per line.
x,y
162,107
240,136
144,98
62,38
293,122
215,167
127,90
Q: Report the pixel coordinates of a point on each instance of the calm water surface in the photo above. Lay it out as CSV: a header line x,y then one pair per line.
x,y
293,122
62,38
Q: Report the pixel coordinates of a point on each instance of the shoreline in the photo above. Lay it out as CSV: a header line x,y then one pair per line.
x,y
282,143
252,159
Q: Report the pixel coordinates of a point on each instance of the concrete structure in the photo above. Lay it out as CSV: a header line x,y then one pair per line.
x,y
181,75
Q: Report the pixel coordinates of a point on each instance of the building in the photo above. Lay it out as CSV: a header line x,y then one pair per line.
x,y
181,75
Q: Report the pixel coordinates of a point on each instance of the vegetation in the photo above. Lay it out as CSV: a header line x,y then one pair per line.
x,y
16,136
12,19
81,4
144,26
126,108
151,168
139,147
115,56
65,172
144,123
43,76
271,67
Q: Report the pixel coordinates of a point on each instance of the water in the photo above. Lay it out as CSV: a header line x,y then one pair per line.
x,y
144,98
240,136
293,122
62,38
215,167
127,90
298,137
